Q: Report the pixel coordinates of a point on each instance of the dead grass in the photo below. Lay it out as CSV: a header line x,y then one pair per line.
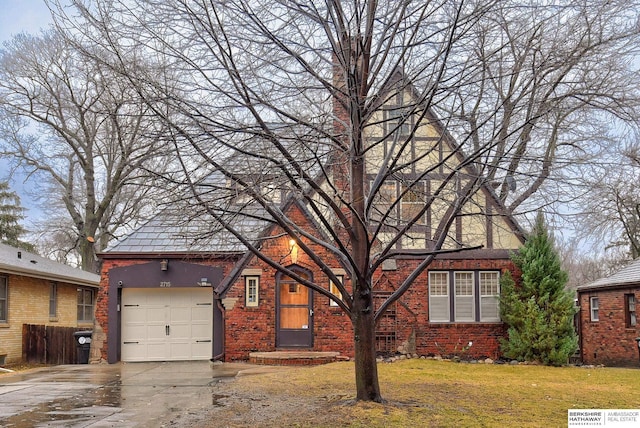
x,y
423,393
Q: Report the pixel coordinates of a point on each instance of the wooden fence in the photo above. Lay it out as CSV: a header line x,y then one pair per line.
x,y
43,344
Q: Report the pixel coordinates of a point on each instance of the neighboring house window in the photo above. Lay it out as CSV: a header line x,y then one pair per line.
x,y
464,286
594,304
439,296
489,296
53,299
4,299
252,285
334,290
630,310
85,305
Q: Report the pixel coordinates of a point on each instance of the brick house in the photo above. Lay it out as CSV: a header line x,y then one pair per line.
x,y
608,324
36,290
165,297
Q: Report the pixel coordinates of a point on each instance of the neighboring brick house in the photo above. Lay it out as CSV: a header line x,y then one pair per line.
x,y
608,321
164,297
36,290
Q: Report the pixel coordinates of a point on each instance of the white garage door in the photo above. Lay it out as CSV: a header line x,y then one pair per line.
x,y
166,324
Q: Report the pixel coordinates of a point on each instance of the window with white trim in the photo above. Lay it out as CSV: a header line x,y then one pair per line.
x,y
489,296
252,285
464,302
334,290
439,296
475,296
85,304
594,305
4,299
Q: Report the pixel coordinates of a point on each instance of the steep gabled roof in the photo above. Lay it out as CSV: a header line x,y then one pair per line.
x,y
628,276
170,231
16,261
447,138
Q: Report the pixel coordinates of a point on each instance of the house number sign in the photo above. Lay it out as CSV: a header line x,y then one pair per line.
x,y
165,284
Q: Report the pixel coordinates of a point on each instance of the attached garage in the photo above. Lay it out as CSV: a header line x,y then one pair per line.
x,y
163,310
166,324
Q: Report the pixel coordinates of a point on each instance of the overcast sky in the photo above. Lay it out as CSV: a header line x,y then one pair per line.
x,y
18,16
22,15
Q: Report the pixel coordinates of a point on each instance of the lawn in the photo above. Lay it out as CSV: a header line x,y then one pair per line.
x,y
428,393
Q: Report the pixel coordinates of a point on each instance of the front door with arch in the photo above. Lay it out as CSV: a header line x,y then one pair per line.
x,y
294,312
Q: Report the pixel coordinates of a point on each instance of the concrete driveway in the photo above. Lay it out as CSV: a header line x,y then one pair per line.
x,y
116,395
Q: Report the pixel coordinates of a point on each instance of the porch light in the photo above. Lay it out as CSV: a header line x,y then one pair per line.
x,y
164,264
293,250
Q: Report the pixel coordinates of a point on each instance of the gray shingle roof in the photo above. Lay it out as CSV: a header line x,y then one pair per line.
x,y
17,261
630,275
171,232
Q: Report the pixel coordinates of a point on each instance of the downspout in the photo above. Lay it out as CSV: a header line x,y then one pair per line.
x,y
220,356
580,335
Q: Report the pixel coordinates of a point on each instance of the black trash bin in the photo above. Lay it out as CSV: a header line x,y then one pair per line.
x,y
83,343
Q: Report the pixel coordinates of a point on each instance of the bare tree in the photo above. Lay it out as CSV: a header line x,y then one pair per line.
x,y
326,101
585,268
609,218
81,132
548,83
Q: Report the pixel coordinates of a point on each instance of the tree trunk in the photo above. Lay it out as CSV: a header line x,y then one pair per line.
x,y
367,385
88,256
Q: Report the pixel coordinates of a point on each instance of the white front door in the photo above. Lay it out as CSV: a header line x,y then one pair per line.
x,y
166,324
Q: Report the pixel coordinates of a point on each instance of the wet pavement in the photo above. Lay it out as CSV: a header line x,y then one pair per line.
x,y
115,395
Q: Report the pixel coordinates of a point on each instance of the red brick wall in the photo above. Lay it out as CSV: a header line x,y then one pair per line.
x,y
608,341
446,339
250,329
102,299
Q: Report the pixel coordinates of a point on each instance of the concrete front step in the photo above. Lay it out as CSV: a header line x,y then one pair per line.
x,y
293,358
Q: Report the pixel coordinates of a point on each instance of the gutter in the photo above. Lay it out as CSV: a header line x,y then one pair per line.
x,y
13,270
